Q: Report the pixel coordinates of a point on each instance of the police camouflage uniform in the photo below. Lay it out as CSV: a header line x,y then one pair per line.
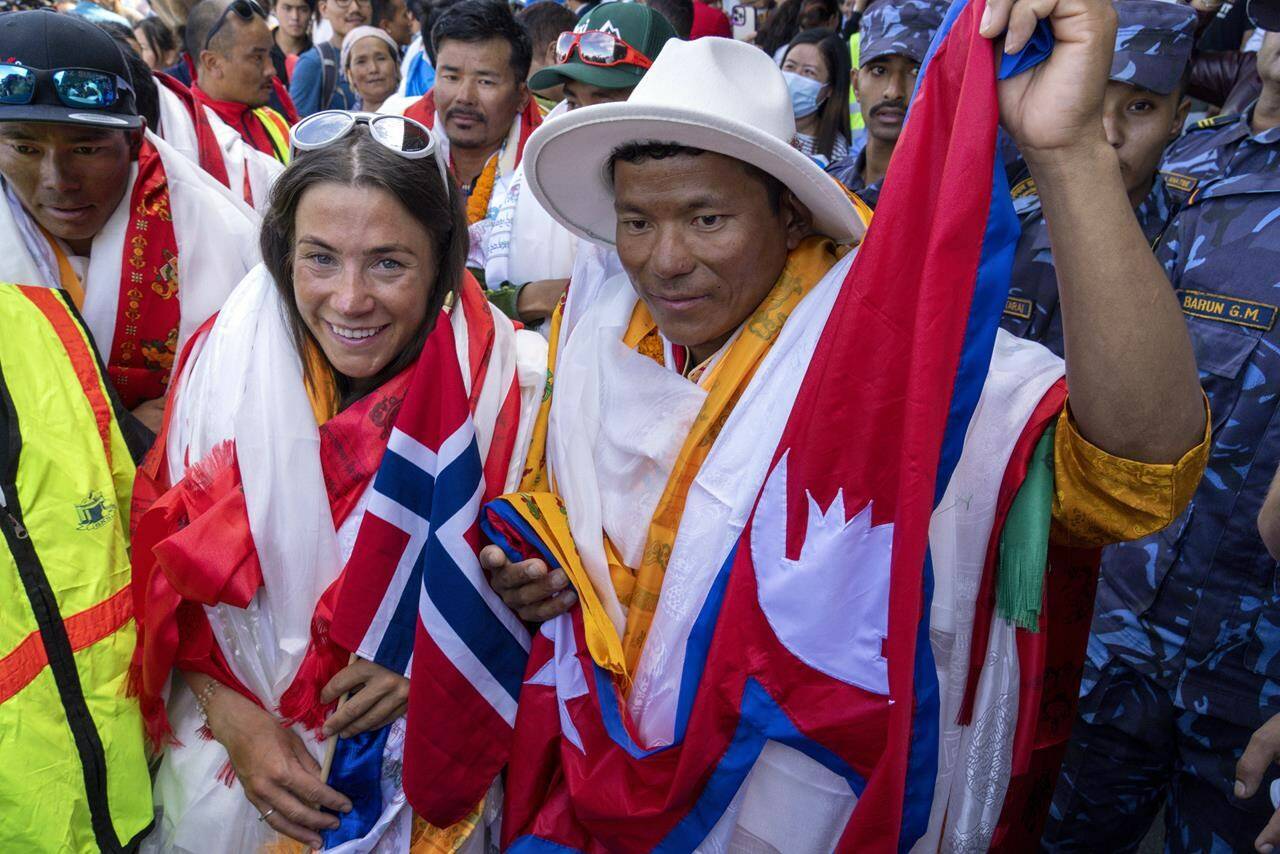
x,y
1153,47
1184,660
903,27
1031,310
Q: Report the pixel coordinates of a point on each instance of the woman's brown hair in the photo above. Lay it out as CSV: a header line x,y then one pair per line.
x,y
357,160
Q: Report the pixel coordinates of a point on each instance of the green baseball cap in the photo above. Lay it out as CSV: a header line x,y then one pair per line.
x,y
643,28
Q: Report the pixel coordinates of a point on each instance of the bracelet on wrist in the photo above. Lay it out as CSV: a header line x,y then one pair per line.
x,y
203,696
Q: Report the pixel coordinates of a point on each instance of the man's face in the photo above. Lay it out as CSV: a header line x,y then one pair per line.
x,y
883,87
237,67
69,178
294,17
477,93
397,22
1139,124
701,243
580,94
345,15
1269,62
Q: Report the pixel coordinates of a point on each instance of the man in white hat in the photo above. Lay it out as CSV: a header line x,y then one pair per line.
x,y
734,246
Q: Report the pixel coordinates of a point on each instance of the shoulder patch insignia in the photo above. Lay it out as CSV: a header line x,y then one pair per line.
x,y
1216,121
1226,309
1180,182
1025,187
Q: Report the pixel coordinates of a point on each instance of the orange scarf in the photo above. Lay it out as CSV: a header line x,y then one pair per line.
x,y
638,588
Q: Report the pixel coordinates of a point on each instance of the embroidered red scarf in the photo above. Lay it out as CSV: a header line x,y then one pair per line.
x,y
147,316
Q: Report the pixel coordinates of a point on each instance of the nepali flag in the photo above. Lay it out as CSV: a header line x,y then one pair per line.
x,y
814,634
422,512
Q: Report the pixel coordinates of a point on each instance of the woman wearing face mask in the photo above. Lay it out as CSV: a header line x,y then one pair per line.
x,y
816,65
371,61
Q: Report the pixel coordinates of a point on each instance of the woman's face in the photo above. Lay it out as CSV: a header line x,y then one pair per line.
x,y
373,70
363,272
807,61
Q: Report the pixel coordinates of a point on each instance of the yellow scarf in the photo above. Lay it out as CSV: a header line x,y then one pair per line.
x,y
638,588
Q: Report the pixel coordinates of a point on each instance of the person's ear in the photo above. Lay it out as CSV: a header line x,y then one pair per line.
x,y
798,219
523,88
853,79
1179,117
212,62
135,141
549,58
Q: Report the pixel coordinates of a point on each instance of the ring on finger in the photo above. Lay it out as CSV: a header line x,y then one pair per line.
x,y
266,814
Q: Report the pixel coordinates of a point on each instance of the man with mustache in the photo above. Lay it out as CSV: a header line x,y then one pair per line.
x,y
480,101
231,46
895,37
146,243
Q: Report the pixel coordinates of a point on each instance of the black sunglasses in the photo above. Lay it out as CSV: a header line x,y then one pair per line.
x,y
245,10
75,87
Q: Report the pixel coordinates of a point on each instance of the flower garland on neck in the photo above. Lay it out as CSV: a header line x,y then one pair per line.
x,y
482,190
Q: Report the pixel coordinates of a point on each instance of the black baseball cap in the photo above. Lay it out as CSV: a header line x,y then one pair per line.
x,y
47,41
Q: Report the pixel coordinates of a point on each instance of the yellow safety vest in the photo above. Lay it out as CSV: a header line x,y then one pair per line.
x,y
73,766
277,129
855,115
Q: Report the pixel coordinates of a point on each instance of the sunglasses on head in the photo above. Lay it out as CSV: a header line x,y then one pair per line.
x,y
596,47
406,137
245,10
76,87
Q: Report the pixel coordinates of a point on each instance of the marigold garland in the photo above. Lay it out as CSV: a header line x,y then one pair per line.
x,y
478,201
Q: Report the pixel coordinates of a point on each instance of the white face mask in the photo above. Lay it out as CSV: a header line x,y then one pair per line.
x,y
806,94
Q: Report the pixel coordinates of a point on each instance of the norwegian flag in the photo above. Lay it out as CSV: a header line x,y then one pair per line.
x,y
416,596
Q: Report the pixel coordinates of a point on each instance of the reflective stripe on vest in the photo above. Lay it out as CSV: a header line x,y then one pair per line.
x,y
74,773
277,129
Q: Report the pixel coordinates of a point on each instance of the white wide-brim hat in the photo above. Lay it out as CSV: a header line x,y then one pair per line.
x,y
715,94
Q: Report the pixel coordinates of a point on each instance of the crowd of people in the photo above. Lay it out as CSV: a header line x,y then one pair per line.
x,y
769,426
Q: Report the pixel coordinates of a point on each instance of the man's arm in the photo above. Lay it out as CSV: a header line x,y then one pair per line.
x,y
1131,372
304,86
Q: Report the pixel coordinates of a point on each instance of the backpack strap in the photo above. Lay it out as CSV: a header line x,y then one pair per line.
x,y
329,64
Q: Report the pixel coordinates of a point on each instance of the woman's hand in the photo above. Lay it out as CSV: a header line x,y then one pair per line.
x,y
380,696
279,776
526,587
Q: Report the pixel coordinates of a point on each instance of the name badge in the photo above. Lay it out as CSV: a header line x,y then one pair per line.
x,y
1241,312
1019,307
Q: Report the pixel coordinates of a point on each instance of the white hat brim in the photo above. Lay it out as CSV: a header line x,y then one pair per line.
x,y
566,164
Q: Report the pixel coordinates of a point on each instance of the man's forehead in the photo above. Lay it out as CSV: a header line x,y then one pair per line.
x,y
492,54
55,131
702,178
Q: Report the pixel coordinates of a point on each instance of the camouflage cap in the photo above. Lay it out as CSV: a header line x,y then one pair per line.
x,y
1153,44
899,26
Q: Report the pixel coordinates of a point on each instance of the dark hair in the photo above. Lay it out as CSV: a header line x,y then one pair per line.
x,y
679,13
145,96
481,20
636,152
157,35
783,23
833,117
358,160
204,16
381,8
545,22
